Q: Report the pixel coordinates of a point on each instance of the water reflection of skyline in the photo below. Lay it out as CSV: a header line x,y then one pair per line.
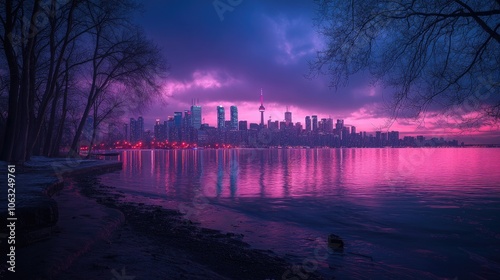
x,y
282,173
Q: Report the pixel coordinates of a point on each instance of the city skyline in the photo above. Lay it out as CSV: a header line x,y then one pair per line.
x,y
180,132
308,123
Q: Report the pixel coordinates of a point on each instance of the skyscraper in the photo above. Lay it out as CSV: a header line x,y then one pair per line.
x,y
187,119
170,121
136,129
273,125
261,109
394,138
133,130
328,125
314,123
339,125
243,125
283,125
158,130
164,130
345,135
196,116
170,127
234,118
140,128
221,117
308,123
125,131
157,127
178,119
322,125
288,117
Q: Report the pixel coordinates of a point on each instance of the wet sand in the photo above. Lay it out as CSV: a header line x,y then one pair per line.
x,y
158,243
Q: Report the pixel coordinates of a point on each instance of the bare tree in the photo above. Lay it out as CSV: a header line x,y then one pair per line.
x,y
50,47
34,39
440,56
19,58
60,32
124,58
107,106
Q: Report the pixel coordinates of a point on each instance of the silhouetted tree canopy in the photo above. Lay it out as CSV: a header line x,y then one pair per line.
x,y
439,56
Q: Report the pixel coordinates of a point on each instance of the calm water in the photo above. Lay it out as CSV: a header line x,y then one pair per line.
x,y
403,213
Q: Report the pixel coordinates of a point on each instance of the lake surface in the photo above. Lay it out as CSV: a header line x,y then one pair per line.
x,y
415,213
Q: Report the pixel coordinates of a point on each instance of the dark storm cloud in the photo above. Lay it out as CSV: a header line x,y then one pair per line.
x,y
264,44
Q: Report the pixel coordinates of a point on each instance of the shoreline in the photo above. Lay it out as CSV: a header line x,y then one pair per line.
x,y
196,252
97,236
45,235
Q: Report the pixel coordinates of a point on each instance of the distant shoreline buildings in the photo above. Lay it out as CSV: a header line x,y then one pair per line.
x,y
188,128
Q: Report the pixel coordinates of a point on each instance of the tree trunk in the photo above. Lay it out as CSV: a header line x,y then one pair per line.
x,y
53,74
60,130
74,149
12,117
31,109
93,93
94,131
51,124
21,152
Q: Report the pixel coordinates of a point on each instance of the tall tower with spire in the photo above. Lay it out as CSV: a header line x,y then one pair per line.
x,y
261,109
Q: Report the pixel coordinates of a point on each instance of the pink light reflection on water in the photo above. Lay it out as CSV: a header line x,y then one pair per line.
x,y
364,174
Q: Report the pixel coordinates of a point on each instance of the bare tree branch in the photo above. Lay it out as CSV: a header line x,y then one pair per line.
x,y
432,55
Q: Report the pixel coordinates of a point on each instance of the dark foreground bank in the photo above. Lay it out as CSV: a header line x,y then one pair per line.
x,y
158,243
